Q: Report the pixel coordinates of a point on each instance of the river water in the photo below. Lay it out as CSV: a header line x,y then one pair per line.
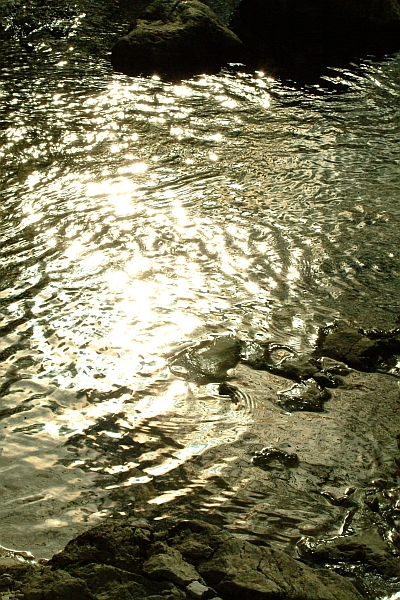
x,y
139,215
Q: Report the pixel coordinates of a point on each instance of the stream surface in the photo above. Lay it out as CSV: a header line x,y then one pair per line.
x,y
139,215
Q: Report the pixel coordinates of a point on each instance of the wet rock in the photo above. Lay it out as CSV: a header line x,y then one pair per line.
x,y
359,349
242,570
326,379
334,367
208,361
309,370
307,395
297,368
366,548
265,356
59,585
167,564
179,39
227,389
160,570
267,459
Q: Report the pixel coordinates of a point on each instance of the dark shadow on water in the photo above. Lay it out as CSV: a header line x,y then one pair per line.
x,y
301,47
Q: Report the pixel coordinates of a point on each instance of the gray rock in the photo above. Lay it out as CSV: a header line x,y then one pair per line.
x,y
235,569
178,39
242,570
58,585
367,548
168,565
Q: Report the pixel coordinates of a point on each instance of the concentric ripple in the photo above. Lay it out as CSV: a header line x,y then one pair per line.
x,y
138,216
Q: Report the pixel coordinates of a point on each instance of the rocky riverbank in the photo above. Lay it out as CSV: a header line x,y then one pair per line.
x,y
130,560
330,461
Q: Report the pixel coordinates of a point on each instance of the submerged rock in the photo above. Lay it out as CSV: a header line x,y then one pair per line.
x,y
208,361
359,349
307,395
178,39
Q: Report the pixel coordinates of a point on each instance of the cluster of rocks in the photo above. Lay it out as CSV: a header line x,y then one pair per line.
x,y
181,38
128,560
339,347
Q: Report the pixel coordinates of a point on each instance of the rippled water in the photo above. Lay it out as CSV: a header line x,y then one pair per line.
x,y
139,215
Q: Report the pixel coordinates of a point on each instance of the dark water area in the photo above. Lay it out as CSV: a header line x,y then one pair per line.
x,y
140,215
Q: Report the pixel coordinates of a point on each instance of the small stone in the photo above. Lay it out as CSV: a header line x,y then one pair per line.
x,y
268,458
307,396
195,589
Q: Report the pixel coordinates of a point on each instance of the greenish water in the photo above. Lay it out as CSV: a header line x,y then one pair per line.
x,y
138,215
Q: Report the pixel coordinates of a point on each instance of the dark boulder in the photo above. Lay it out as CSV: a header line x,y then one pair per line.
x,y
177,39
366,548
301,37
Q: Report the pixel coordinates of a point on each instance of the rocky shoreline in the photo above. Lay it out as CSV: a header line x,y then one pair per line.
x,y
172,556
130,560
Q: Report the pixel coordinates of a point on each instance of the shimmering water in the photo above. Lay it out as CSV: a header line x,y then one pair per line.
x,y
139,215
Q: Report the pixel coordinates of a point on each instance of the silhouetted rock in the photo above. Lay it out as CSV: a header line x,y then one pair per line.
x,y
177,39
301,37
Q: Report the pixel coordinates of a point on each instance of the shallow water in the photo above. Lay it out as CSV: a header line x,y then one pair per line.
x,y
139,215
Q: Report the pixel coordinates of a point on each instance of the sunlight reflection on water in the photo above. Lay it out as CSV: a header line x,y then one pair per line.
x,y
140,216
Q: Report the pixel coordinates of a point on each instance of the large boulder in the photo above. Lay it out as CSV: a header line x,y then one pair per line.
x,y
178,39
299,35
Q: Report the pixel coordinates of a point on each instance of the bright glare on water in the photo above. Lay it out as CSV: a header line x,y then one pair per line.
x,y
138,215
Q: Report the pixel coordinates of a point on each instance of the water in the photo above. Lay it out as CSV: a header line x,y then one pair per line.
x,y
139,215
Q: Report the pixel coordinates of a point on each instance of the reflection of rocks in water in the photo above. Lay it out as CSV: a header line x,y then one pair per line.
x,y
132,559
307,395
272,458
208,361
